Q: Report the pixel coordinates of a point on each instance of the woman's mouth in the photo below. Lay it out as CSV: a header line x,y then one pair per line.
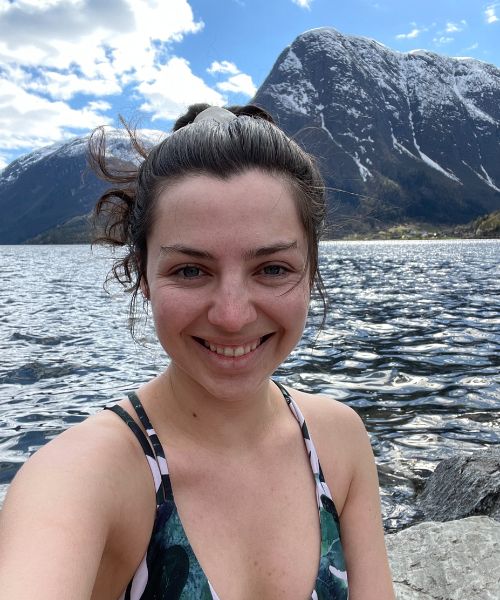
x,y
233,351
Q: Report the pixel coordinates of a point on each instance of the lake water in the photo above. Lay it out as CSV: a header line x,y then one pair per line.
x,y
412,342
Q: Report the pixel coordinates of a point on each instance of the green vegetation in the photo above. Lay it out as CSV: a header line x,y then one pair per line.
x,y
487,226
77,230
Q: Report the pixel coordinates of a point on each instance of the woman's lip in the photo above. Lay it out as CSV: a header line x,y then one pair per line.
x,y
232,350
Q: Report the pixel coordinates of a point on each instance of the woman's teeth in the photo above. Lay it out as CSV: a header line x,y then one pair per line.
x,y
232,350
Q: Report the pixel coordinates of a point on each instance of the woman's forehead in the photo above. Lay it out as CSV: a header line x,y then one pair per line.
x,y
246,193
252,205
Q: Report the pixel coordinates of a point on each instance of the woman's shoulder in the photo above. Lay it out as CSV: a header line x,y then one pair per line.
x,y
75,500
340,439
328,415
90,467
96,446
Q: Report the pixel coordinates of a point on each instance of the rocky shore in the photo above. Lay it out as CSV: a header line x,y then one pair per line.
x,y
455,553
458,560
485,227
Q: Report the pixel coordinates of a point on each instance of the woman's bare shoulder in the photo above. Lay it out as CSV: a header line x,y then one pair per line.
x,y
86,463
92,446
87,471
74,499
328,415
340,439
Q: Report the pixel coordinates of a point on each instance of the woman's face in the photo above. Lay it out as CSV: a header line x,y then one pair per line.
x,y
226,279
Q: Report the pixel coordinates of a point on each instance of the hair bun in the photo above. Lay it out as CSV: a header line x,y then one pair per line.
x,y
192,112
250,110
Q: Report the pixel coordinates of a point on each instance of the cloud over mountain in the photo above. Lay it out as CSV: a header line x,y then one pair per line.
x,y
58,56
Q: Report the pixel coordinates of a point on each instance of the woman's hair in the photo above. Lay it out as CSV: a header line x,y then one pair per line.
x,y
125,213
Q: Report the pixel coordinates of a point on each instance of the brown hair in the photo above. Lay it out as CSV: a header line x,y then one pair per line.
x,y
221,149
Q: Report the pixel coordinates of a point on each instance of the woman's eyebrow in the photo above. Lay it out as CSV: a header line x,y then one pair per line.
x,y
180,249
268,250
247,255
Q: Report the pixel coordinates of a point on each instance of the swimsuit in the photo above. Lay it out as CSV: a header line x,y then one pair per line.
x,y
170,569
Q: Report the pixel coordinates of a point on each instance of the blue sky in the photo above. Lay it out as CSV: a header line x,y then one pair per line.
x,y
67,66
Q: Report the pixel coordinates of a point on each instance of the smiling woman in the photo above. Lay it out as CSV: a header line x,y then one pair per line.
x,y
205,482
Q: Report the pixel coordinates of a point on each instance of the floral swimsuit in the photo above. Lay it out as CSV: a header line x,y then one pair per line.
x,y
170,569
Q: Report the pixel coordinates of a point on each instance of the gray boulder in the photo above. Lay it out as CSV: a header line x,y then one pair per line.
x,y
463,486
458,560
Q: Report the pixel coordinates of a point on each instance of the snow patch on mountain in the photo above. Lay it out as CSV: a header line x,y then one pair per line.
x,y
295,99
486,177
291,61
118,147
363,171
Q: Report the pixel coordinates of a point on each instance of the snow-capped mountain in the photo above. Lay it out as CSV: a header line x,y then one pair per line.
x,y
418,133
399,137
52,185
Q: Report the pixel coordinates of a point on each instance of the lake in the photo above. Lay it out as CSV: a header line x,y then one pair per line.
x,y
411,342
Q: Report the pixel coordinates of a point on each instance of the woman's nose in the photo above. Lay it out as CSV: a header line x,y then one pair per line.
x,y
232,307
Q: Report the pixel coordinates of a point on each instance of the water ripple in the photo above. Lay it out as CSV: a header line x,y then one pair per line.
x,y
412,342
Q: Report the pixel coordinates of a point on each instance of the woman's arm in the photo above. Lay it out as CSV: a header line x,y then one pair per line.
x,y
361,524
349,468
58,515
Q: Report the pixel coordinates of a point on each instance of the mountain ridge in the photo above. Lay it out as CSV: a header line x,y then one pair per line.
x,y
50,186
383,122
400,138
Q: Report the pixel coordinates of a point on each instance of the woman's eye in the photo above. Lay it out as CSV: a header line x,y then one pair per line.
x,y
189,272
274,270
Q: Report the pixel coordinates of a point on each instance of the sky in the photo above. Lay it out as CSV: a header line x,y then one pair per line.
x,y
68,66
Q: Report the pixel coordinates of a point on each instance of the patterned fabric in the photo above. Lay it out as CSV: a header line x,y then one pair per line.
x,y
170,569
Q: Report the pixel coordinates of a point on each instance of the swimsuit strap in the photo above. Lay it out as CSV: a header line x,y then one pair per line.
x,y
161,459
322,489
156,461
146,423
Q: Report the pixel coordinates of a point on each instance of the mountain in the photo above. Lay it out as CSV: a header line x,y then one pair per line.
x,y
53,186
405,136
409,138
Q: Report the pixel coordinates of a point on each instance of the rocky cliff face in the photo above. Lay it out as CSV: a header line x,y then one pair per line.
x,y
418,133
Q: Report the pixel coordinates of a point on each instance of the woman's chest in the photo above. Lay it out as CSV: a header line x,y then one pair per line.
x,y
254,531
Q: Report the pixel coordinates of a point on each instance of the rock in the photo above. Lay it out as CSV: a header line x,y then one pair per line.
x,y
463,486
458,560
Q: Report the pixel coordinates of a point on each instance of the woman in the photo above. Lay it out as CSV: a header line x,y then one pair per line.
x,y
221,224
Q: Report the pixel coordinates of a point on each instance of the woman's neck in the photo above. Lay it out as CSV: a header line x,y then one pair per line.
x,y
182,407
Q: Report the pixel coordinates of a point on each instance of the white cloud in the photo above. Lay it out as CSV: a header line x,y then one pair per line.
x,y
238,84
455,27
99,105
472,46
53,51
490,13
303,3
29,120
95,39
65,85
411,35
184,88
223,66
442,40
